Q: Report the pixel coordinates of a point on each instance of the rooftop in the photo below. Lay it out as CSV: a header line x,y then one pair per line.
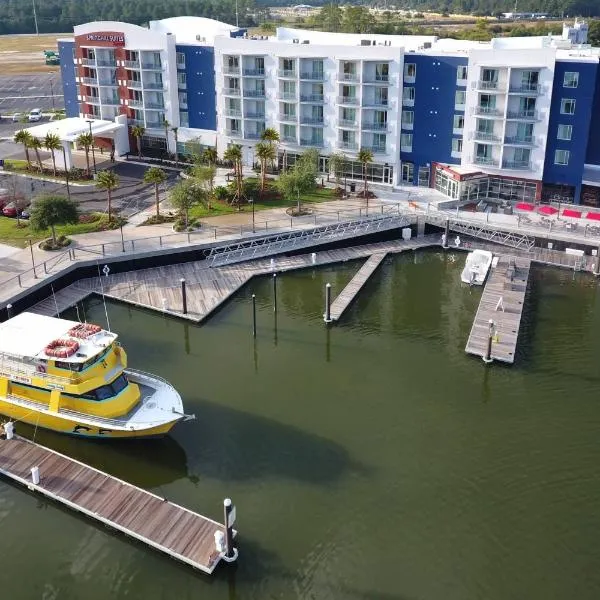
x,y
68,130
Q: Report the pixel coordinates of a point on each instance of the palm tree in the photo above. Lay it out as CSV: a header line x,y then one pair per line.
x,y
36,144
137,131
107,180
365,156
86,140
156,176
175,131
265,153
270,135
166,125
234,154
52,143
24,137
337,164
210,156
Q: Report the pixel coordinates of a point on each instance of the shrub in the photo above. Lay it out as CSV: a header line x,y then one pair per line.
x,y
89,218
221,192
251,189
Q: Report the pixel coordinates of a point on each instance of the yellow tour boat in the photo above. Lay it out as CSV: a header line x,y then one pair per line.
x,y
73,378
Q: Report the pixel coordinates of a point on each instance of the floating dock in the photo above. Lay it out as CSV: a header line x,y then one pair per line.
x,y
155,521
502,302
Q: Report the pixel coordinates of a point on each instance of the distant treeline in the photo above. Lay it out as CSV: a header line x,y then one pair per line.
x,y
57,16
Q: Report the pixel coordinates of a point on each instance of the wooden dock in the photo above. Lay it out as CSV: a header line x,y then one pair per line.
x,y
502,301
155,521
341,303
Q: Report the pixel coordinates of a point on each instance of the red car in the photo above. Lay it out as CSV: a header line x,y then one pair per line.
x,y
10,210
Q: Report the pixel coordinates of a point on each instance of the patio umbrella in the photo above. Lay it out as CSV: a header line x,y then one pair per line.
x,y
524,206
547,210
593,216
567,212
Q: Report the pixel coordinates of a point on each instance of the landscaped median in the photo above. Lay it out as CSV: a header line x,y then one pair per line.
x,y
76,176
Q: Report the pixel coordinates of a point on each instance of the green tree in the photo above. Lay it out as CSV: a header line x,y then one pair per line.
x,y
337,165
300,179
234,155
24,137
210,156
50,211
36,144
329,18
204,175
365,156
266,154
594,32
175,131
271,135
138,131
358,19
184,195
155,176
107,180
86,140
52,143
166,126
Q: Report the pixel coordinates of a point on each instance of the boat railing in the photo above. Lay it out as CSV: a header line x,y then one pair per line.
x,y
13,367
147,375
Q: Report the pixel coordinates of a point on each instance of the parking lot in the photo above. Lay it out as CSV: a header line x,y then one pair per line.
x,y
21,93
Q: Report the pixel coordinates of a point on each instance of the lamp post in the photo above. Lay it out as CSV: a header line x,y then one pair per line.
x,y
66,172
93,153
52,91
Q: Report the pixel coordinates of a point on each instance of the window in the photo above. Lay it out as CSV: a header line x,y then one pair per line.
x,y
182,80
289,110
462,73
180,58
105,391
382,72
561,157
571,79
460,97
457,144
408,96
410,70
406,140
288,65
408,119
459,122
564,132
184,119
407,172
289,132
183,99
567,106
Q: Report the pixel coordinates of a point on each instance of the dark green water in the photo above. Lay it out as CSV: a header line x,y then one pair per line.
x,y
371,461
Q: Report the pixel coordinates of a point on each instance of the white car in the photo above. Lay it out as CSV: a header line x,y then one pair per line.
x,y
17,117
35,115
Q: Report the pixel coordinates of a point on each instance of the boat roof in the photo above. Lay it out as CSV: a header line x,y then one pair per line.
x,y
28,334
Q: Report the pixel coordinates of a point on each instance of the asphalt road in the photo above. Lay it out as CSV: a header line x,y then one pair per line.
x,y
21,93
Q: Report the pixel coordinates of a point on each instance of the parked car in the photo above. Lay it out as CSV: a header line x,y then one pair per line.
x,y
17,117
35,115
10,210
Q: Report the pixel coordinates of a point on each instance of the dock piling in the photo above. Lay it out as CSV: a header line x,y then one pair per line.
x,y
231,553
488,352
597,269
253,315
9,310
446,235
183,296
275,292
327,315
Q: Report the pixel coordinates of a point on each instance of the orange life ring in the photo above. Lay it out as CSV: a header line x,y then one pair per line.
x,y
84,330
61,348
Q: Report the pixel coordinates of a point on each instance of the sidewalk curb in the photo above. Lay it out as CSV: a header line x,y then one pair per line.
x,y
42,178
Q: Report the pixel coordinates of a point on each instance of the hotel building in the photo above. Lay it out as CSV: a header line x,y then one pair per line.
x,y
509,119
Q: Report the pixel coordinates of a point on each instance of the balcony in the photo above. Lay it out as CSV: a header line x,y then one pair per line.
x,y
181,66
313,76
484,136
254,72
154,124
375,149
517,165
256,116
114,101
231,69
490,86
287,73
253,135
132,64
110,83
152,66
136,103
376,79
408,101
374,126
155,105
135,122
254,93
485,161
231,91
348,123
527,88
311,121
314,98
352,100
487,111
88,62
89,80
106,63
233,112
523,115
153,85
287,96
315,142
234,132
135,85
342,145
349,77
377,103
519,140
285,118
289,139
92,99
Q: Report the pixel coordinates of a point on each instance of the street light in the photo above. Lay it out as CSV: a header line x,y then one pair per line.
x,y
66,172
89,122
52,91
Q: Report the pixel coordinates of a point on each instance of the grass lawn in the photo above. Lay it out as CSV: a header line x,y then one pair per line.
x,y
20,166
224,208
20,54
20,236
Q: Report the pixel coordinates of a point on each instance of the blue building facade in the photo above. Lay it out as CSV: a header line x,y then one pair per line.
x,y
66,51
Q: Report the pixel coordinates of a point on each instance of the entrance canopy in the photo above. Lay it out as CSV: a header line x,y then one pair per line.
x,y
68,130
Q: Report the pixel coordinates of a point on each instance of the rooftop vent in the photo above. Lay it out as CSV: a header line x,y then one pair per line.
x,y
296,41
426,45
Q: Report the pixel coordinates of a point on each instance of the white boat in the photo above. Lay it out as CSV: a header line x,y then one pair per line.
x,y
477,266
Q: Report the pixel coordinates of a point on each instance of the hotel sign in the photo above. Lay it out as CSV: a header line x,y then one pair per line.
x,y
103,38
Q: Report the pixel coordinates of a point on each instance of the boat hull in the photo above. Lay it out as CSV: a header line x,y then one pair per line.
x,y
477,266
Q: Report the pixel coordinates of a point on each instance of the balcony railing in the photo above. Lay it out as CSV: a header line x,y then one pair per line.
x,y
254,72
152,66
526,115
375,126
136,85
233,112
254,115
286,118
383,79
231,91
520,140
234,132
92,99
312,75
153,85
253,135
351,123
377,149
525,88
155,105
349,77
348,100
181,66
315,98
289,139
484,136
231,69
408,101
114,101
517,165
287,96
106,63
311,121
286,73
347,145
485,161
154,124
136,103
88,62
317,143
377,103
132,64
494,86
108,83
89,80
254,93
135,122
487,111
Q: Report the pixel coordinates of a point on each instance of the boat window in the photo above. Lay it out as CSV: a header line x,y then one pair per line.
x,y
104,392
72,366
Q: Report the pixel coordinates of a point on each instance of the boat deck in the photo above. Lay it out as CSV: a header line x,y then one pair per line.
x,y
167,527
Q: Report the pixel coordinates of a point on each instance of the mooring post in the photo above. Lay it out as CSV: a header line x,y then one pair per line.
x,y
274,292
9,310
597,269
488,351
122,240
327,315
446,234
254,315
183,296
231,553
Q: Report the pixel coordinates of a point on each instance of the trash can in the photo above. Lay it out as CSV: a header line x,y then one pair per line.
x,y
352,187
